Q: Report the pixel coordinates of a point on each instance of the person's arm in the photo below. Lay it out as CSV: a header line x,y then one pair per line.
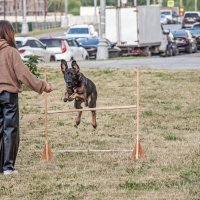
x,y
25,76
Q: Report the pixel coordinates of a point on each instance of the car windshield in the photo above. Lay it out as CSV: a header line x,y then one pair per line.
x,y
51,42
195,32
87,42
195,15
180,34
162,16
19,44
78,31
165,13
196,26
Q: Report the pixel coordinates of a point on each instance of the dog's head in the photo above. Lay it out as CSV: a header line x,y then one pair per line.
x,y
71,75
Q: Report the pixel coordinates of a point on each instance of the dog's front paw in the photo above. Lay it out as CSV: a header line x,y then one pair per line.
x,y
65,99
86,103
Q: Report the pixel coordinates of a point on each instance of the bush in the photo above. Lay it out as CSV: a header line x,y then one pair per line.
x,y
32,64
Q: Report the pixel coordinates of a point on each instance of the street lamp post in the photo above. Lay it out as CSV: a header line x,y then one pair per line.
x,y
65,23
102,50
24,23
195,5
102,18
45,10
181,3
4,9
95,7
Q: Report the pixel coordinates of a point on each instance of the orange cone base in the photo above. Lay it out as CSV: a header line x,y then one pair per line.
x,y
140,152
47,153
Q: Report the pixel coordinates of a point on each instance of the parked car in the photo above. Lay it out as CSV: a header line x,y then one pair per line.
x,y
196,25
189,18
32,46
91,45
168,45
196,34
78,31
185,41
67,49
163,19
168,15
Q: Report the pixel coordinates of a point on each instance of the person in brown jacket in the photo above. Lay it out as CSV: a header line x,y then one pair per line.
x,y
13,72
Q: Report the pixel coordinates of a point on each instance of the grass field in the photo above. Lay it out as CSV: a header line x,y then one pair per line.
x,y
169,133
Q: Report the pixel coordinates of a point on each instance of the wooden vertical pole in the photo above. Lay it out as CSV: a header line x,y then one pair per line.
x,y
137,150
47,153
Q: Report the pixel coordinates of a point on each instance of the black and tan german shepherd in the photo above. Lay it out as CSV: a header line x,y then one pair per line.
x,y
80,89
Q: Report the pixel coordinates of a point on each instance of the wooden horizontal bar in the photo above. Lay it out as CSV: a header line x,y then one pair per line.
x,y
91,150
92,109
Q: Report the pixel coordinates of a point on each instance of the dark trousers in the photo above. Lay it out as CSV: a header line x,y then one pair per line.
x,y
9,130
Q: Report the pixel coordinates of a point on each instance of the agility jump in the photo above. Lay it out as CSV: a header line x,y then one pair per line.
x,y
137,151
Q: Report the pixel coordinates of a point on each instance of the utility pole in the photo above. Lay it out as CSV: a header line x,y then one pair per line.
x,y
16,23
181,3
102,18
160,2
4,9
135,2
65,22
148,2
24,23
102,50
66,12
195,5
45,10
95,7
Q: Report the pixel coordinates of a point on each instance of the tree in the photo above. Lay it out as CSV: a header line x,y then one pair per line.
x,y
74,5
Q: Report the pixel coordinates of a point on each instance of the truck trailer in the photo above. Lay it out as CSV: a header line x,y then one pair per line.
x,y
136,30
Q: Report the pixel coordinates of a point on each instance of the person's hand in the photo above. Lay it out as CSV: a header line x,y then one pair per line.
x,y
48,88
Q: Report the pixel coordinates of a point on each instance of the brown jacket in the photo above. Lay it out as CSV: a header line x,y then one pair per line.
x,y
13,72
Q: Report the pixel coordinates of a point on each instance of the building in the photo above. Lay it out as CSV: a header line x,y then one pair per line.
x,y
15,7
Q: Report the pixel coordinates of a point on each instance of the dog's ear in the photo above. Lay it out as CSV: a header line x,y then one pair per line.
x,y
75,66
63,65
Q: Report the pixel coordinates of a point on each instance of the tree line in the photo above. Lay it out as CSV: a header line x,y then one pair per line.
x,y
74,5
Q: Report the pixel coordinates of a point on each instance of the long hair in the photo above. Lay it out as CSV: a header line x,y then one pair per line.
x,y
7,32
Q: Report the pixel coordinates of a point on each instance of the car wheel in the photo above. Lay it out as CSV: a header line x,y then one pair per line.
x,y
195,49
52,59
86,57
176,52
189,50
169,52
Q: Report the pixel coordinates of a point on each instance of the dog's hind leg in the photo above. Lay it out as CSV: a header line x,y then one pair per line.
x,y
94,122
78,119
92,104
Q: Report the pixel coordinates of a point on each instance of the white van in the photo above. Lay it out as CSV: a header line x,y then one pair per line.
x,y
78,31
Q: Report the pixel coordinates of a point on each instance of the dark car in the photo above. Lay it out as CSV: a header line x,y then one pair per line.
x,y
91,45
189,18
196,26
196,33
185,41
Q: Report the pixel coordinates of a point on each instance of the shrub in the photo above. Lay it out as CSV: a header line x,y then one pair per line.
x,y
32,63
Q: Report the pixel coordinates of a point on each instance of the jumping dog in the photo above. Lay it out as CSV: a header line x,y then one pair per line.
x,y
80,89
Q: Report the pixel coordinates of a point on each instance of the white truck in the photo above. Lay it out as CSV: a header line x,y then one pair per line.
x,y
136,30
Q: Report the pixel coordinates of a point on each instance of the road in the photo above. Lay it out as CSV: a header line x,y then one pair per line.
x,y
182,61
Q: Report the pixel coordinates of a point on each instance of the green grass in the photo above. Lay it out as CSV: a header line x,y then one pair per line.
x,y
169,136
38,32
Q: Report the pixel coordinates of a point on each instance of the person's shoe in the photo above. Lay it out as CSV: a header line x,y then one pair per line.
x,y
10,172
